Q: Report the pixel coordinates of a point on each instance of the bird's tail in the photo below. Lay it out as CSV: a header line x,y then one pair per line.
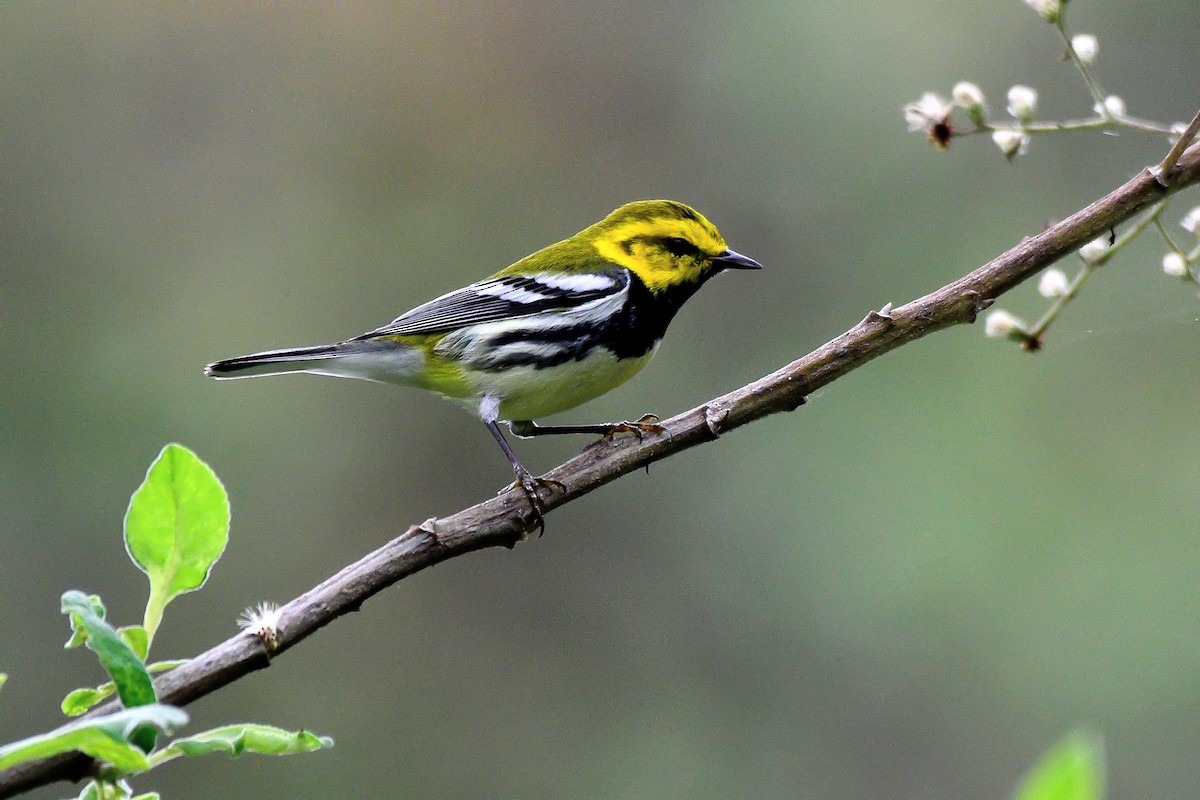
x,y
274,362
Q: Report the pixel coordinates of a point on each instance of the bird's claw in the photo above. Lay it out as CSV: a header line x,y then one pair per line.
x,y
532,486
645,425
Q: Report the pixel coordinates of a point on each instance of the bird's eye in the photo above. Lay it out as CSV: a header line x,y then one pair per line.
x,y
678,246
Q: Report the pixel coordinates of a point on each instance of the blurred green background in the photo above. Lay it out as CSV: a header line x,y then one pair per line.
x,y
906,589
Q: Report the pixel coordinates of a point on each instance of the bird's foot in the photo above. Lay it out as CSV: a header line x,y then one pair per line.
x,y
646,425
533,486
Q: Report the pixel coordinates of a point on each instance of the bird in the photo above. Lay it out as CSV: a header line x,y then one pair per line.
x,y
557,328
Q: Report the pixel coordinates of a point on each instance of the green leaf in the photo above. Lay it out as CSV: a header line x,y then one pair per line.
x,y
105,738
91,792
101,789
146,796
1073,769
176,527
135,636
79,632
127,671
82,700
245,738
122,664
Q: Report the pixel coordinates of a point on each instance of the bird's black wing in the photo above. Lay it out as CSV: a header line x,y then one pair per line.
x,y
504,297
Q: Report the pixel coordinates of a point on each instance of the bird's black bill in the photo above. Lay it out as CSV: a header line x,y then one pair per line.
x,y
733,260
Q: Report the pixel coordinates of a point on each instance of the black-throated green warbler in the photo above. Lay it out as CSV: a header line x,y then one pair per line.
x,y
556,329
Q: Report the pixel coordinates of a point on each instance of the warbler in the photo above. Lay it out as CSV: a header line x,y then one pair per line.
x,y
557,328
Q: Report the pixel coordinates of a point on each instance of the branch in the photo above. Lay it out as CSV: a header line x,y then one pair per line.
x,y
505,520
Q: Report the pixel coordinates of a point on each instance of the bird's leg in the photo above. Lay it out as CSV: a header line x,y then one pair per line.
x,y
647,424
525,479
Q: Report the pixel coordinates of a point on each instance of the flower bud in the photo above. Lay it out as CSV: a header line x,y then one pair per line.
x,y
1011,143
1094,251
969,96
1022,102
1053,283
1175,265
1050,10
1086,47
1000,324
1191,221
1113,106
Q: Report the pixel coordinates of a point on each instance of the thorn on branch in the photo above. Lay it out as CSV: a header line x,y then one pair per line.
x,y
979,303
883,315
1162,170
429,528
714,419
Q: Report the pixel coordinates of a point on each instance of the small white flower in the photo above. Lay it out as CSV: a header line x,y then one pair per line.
x,y
1022,101
967,94
1191,221
1113,106
927,112
1053,283
1011,143
262,621
1000,324
1175,265
1049,9
931,114
1086,47
1094,250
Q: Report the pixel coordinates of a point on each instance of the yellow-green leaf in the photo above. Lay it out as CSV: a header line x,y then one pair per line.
x,y
105,738
80,701
176,527
1073,769
135,637
245,738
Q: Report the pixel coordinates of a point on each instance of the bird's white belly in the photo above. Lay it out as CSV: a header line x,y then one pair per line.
x,y
525,392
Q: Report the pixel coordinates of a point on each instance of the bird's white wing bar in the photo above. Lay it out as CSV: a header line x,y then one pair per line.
x,y
505,297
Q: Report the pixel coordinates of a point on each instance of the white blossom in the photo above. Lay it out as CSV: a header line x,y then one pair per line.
x,y
927,112
1053,283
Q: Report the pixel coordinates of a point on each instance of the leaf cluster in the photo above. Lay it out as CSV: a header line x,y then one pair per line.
x,y
176,528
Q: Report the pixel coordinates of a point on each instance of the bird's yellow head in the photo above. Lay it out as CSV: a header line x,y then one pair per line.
x,y
666,244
